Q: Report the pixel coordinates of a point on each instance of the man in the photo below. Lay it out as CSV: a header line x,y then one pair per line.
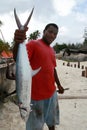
x,y
44,98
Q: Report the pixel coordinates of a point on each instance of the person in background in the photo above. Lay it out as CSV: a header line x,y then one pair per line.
x,y
44,97
9,75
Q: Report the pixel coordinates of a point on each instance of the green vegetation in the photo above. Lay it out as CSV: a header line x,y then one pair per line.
x,y
34,35
58,47
4,46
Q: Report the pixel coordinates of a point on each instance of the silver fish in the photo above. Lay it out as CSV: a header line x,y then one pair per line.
x,y
24,74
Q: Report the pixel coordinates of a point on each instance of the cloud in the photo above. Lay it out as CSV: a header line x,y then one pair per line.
x,y
64,7
70,15
8,26
81,17
63,31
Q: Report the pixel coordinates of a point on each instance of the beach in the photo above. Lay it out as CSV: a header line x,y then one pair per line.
x,y
73,108
72,104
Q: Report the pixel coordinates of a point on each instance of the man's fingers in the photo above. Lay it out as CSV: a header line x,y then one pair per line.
x,y
19,36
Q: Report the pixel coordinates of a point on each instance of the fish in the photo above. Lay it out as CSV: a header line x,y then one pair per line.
x,y
24,73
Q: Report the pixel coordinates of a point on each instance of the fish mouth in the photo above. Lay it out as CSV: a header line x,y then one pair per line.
x,y
23,108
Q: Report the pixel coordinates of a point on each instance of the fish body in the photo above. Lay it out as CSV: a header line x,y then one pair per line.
x,y
23,80
24,73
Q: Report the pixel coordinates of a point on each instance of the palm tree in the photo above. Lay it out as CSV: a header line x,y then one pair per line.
x,y
34,35
0,22
1,31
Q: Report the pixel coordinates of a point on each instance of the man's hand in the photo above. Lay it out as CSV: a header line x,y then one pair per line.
x,y
60,89
20,36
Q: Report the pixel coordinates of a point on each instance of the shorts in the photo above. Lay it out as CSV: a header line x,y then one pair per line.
x,y
43,111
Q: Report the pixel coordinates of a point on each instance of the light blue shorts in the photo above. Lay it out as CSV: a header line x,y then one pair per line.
x,y
43,111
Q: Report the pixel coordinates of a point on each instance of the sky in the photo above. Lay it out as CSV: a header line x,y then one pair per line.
x,y
69,15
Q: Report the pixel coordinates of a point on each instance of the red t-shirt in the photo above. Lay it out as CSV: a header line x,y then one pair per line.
x,y
42,55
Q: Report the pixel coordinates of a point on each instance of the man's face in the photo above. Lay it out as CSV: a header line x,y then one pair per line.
x,y
50,34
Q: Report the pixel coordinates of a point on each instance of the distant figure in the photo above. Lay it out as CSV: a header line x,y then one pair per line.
x,y
8,75
11,77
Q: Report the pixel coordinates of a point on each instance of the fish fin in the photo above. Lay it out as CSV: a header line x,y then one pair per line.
x,y
25,25
34,72
20,26
17,19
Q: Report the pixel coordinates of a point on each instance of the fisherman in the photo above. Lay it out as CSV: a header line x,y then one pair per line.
x,y
44,97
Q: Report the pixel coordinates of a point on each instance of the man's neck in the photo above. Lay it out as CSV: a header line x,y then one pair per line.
x,y
45,41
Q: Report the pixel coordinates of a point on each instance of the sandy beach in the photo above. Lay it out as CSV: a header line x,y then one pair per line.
x,y
73,103
73,112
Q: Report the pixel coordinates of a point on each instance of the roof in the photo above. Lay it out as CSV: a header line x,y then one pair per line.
x,y
5,54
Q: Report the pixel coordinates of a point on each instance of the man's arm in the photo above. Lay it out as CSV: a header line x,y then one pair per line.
x,y
60,88
15,50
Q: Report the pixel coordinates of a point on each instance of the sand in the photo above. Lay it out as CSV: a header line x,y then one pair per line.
x,y
73,103
73,109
